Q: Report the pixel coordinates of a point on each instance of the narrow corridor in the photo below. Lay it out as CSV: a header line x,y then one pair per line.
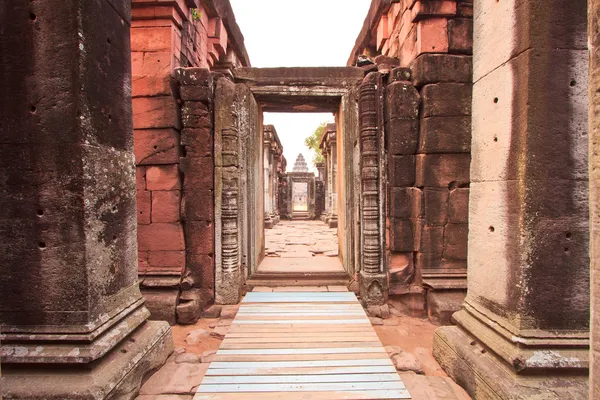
x,y
301,246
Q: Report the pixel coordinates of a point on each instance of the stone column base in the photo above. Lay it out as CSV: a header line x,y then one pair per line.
x,y
268,222
373,288
117,376
332,221
485,376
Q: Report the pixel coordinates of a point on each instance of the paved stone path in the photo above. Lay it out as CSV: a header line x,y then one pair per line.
x,y
301,246
301,345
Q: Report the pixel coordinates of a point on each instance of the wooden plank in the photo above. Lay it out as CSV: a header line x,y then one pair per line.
x,y
309,339
301,387
299,321
299,334
301,345
216,380
300,364
333,350
378,369
294,345
300,328
356,395
295,317
307,357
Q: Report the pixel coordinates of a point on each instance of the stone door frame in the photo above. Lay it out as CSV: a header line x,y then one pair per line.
x,y
357,103
309,179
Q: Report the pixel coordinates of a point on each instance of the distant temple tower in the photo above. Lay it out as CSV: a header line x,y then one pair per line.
x,y
300,164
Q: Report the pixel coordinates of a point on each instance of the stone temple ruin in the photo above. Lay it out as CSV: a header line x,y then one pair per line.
x,y
137,178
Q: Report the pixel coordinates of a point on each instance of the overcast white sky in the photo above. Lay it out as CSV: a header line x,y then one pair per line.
x,y
292,33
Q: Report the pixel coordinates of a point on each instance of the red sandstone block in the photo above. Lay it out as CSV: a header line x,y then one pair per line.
x,y
432,36
198,205
383,33
198,172
155,112
442,170
150,86
137,62
198,142
446,100
433,8
445,135
455,241
166,206
402,235
428,261
194,76
200,237
458,206
156,146
460,35
438,68
201,93
140,178
402,136
157,64
166,259
405,203
195,114
402,101
164,177
431,239
402,171
464,8
142,262
435,206
151,39
202,268
161,237
143,199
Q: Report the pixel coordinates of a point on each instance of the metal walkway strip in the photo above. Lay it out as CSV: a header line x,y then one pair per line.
x,y
301,345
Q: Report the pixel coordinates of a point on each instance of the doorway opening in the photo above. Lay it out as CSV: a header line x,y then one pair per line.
x,y
301,244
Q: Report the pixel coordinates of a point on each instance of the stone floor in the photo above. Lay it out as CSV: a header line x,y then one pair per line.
x,y
301,246
408,341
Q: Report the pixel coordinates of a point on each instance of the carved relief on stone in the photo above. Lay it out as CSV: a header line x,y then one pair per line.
x,y
370,185
229,205
373,277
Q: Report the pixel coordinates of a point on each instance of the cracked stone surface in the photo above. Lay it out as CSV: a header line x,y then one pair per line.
x,y
301,246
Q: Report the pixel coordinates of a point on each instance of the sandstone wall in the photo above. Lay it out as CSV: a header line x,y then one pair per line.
x,y
173,147
428,134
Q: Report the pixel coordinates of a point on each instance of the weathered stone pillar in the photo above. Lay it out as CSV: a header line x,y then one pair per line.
x,y
73,319
267,181
523,330
373,276
594,169
333,218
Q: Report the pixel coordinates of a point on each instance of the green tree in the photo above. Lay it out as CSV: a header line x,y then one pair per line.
x,y
313,142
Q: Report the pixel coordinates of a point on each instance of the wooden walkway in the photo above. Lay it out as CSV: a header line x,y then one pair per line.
x,y
302,345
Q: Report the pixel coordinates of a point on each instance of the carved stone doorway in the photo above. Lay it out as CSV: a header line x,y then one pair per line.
x,y
239,213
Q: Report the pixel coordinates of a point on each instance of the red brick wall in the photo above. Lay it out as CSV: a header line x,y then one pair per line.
x,y
413,27
173,150
428,133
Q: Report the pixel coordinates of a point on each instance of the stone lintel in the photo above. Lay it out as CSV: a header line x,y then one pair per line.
x,y
116,376
300,76
298,98
485,376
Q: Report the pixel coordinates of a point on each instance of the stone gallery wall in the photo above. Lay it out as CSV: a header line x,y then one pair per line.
x,y
171,146
428,139
404,29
